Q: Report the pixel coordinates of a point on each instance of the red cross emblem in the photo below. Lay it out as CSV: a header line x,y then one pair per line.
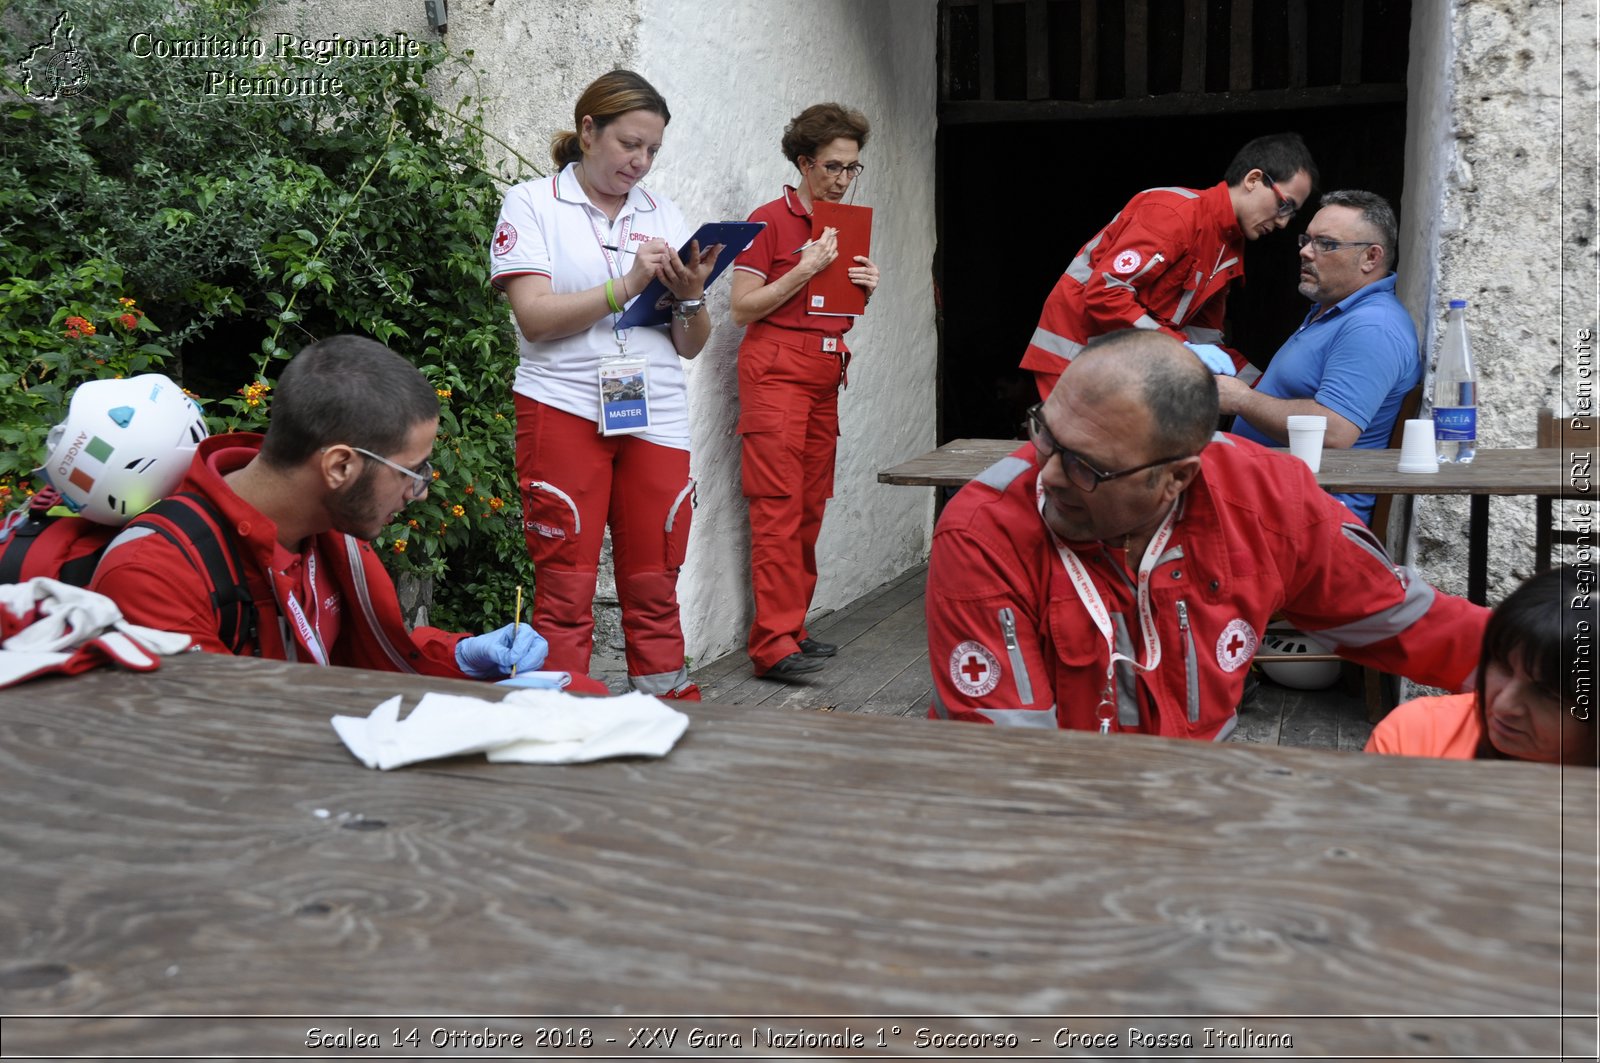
x,y
505,238
1236,645
974,669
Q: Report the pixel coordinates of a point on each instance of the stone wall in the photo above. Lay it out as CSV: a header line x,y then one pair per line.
x,y
1500,211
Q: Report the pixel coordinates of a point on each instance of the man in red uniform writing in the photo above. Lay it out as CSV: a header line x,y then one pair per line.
x,y
1165,262
1116,572
353,425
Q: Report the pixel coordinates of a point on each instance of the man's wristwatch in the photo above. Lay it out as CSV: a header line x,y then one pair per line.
x,y
684,309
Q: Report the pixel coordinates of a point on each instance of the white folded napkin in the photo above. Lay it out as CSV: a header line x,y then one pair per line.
x,y
529,726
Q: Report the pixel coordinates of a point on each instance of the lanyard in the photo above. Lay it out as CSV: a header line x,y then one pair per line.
x,y
1089,595
310,634
614,268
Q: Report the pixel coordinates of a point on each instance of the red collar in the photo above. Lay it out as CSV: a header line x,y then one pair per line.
x,y
791,199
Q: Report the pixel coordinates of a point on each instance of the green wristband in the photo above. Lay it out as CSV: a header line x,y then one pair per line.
x,y
611,296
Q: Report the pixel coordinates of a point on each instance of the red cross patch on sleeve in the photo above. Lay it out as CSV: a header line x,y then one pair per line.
x,y
505,238
974,669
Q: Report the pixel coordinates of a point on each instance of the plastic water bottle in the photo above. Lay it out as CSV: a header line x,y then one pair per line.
x,y
1455,391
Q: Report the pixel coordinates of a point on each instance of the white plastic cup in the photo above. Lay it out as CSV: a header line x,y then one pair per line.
x,y
1305,438
1418,449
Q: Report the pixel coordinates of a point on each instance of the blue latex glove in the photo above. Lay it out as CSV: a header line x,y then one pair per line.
x,y
1215,357
495,654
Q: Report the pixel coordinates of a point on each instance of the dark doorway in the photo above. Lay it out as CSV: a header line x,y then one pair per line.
x,y
1024,182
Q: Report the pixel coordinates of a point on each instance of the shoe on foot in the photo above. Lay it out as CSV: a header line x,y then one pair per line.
x,y
814,648
791,666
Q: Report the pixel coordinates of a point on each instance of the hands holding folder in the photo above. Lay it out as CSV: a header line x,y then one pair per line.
x,y
840,231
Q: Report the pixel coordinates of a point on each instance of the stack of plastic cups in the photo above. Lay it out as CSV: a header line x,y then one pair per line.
x,y
1418,452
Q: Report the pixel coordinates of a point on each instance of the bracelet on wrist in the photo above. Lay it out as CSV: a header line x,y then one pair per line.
x,y
611,296
684,309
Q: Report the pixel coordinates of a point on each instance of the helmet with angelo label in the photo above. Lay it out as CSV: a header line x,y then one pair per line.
x,y
124,445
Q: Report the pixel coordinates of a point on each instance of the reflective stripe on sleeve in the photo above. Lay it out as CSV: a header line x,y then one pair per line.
x,y
1059,346
1001,474
1038,719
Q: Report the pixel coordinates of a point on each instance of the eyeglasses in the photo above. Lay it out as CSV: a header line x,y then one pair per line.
x,y
421,476
834,169
1322,245
1286,206
1083,475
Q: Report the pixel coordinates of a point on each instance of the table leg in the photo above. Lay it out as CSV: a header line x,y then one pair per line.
x,y
1478,551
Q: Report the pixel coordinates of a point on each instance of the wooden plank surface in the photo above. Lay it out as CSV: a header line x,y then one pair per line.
x,y
196,841
1514,471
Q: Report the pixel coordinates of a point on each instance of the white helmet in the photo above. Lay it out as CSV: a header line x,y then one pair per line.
x,y
124,445
1300,675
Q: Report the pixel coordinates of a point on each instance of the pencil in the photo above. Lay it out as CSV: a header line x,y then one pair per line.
x,y
516,619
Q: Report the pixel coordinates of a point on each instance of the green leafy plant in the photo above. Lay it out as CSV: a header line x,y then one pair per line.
x,y
249,227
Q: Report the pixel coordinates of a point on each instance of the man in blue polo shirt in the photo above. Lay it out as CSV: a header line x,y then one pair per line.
x,y
1355,356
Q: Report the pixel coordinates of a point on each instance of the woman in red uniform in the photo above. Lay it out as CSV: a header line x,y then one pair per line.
x,y
791,365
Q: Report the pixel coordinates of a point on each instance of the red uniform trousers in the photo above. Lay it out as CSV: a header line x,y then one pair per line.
x,y
574,481
789,426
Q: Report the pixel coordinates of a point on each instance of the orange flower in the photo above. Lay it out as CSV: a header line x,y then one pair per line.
x,y
78,327
443,393
496,503
471,488
128,321
399,546
412,523
457,512
126,303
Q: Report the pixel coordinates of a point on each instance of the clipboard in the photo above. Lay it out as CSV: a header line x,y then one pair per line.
x,y
653,306
830,293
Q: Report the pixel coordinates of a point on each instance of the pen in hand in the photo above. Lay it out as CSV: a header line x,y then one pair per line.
x,y
516,621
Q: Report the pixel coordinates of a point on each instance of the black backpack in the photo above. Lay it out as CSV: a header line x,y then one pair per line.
x,y
34,542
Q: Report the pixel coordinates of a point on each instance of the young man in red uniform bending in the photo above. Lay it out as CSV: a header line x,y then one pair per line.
x,y
1165,262
352,427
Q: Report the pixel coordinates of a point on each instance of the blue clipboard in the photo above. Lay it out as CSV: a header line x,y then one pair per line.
x,y
653,306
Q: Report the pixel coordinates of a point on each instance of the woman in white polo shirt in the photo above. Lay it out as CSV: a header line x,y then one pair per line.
x,y
602,415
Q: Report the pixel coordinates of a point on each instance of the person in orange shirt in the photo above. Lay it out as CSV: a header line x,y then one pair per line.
x,y
1535,694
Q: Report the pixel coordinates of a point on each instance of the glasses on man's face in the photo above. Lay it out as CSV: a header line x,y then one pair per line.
x,y
1286,206
421,476
1323,245
834,169
1084,477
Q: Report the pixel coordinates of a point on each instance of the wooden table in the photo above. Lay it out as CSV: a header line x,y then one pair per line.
x,y
196,842
1551,473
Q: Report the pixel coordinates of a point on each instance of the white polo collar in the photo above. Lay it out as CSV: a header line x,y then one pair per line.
x,y
568,190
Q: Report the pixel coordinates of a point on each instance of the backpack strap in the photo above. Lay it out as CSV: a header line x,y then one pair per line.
x,y
17,534
236,609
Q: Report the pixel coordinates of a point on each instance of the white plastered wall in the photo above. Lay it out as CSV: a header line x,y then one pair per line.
x,y
734,80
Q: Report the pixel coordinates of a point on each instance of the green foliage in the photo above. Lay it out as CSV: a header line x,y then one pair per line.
x,y
249,226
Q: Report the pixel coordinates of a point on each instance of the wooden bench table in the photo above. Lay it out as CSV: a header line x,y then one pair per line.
x,y
196,842
1547,473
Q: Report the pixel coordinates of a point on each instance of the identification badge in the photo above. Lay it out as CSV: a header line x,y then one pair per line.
x,y
624,396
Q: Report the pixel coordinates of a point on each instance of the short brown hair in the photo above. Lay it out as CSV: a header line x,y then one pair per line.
x,y
608,97
345,389
819,125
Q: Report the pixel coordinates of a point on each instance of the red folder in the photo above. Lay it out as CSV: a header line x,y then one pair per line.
x,y
830,292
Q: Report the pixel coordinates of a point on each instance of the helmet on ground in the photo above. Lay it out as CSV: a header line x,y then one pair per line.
x,y
1301,675
124,445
